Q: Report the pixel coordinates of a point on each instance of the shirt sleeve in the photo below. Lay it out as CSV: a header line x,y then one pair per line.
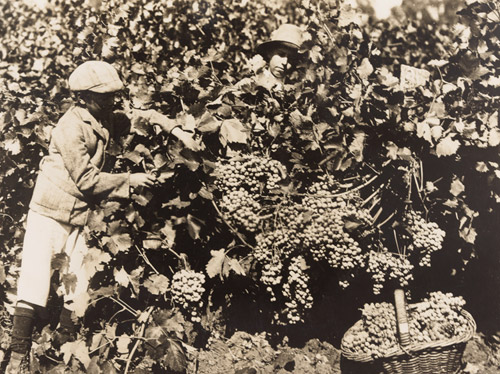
x,y
69,140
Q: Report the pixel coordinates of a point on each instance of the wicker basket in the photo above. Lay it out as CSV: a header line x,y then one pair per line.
x,y
435,357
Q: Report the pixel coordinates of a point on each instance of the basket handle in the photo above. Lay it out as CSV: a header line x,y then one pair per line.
x,y
402,317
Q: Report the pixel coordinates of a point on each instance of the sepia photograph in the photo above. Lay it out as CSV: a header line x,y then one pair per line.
x,y
249,186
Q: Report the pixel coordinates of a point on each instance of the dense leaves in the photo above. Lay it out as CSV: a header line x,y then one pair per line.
x,y
404,113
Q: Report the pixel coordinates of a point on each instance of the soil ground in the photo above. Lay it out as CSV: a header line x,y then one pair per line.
x,y
244,353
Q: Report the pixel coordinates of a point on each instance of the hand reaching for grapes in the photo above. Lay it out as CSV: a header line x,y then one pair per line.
x,y
142,180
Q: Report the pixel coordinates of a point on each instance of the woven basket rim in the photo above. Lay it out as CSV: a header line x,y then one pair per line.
x,y
413,348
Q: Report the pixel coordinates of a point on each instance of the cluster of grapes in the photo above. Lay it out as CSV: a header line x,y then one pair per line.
x,y
426,237
254,173
296,291
240,209
242,181
436,318
326,239
271,244
271,274
187,291
385,266
293,217
376,334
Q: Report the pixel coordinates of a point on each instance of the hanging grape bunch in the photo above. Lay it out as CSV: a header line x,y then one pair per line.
x,y
243,181
296,291
436,318
241,209
271,245
385,266
426,237
187,291
328,236
283,236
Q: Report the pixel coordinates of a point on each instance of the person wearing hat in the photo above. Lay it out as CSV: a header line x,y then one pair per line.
x,y
69,182
281,50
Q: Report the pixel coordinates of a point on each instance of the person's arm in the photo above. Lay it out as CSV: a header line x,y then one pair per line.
x,y
168,125
69,140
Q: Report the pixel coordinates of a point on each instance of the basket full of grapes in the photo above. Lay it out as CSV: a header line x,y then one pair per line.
x,y
422,338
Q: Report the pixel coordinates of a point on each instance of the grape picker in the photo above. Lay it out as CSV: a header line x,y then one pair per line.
x,y
281,53
69,182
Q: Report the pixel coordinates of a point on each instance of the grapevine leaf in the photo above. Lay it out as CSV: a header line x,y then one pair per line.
x,y
175,358
157,284
108,368
235,266
214,266
233,131
59,261
135,277
155,342
468,234
447,146
122,344
94,260
69,282
172,322
77,349
365,69
208,123
194,226
96,222
357,146
457,187
80,304
120,241
121,277
412,78
152,241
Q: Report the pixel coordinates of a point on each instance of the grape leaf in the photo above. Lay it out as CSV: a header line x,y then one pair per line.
x,y
233,131
119,240
122,344
214,266
121,277
365,69
194,226
157,284
94,260
457,187
175,358
447,146
77,349
235,266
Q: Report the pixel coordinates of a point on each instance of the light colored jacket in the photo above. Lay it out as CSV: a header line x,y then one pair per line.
x,y
71,179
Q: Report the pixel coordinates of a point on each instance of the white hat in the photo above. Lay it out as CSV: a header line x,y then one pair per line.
x,y
287,35
95,76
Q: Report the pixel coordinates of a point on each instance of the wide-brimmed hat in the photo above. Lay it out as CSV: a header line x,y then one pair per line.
x,y
286,35
95,76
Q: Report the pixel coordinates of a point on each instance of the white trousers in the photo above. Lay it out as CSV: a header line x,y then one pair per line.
x,y
44,238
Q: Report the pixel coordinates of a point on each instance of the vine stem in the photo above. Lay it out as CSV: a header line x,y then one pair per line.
x,y
233,230
386,220
138,339
146,259
396,241
340,193
123,304
369,198
7,215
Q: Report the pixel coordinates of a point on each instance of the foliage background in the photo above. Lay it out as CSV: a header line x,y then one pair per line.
x,y
344,113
